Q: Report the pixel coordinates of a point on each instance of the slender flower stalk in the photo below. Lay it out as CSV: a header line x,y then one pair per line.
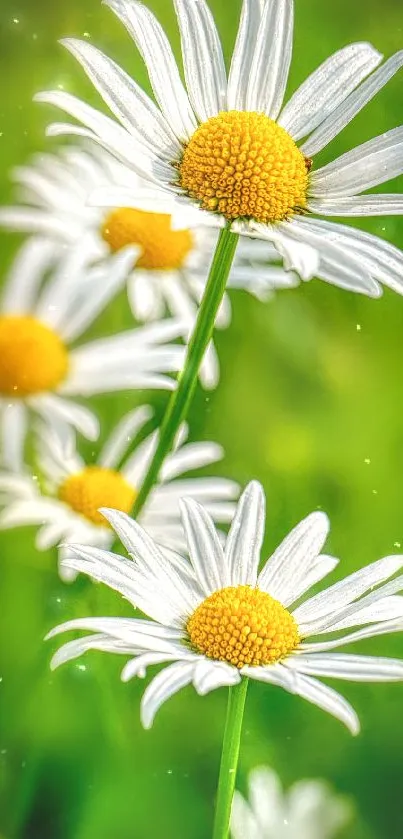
x,y
181,400
229,758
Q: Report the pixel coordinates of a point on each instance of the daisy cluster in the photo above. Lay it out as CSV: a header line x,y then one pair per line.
x,y
135,204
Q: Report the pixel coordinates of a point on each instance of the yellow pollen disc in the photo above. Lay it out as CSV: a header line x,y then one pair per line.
x,y
243,625
243,165
162,247
32,356
97,487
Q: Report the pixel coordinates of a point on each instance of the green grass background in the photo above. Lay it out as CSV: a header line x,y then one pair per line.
x,y
310,403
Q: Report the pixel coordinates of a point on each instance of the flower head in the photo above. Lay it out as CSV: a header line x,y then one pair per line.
x,y
169,267
41,315
215,619
225,149
309,810
66,503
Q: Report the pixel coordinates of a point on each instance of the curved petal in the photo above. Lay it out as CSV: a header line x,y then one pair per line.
x,y
133,108
286,569
168,682
272,58
243,54
245,538
327,87
205,550
366,166
161,65
203,59
351,106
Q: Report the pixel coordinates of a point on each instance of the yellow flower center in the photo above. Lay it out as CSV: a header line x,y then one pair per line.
x,y
32,356
243,625
243,165
97,487
162,247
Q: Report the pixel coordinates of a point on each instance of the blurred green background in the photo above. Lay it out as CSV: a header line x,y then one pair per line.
x,y
310,402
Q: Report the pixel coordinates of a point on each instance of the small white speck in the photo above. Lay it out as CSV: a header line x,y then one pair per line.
x,y
374,492
169,771
367,460
397,544
16,20
82,667
60,86
358,327
86,35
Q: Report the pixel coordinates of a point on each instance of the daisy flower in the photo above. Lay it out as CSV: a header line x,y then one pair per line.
x,y
169,267
215,620
309,810
73,491
226,146
41,315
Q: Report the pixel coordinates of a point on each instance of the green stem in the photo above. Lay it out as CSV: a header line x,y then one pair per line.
x,y
229,759
181,398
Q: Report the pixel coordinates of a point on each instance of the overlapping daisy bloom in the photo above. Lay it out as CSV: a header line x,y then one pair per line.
x,y
226,147
170,267
67,506
214,619
309,810
45,307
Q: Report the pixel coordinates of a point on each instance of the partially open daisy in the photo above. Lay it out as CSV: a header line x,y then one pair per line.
x,y
68,507
41,315
309,810
228,147
169,268
215,620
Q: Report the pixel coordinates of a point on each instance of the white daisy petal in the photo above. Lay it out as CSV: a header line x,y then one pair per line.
x,y
75,649
326,698
272,58
203,60
136,467
205,550
140,634
346,591
298,255
209,675
242,57
181,596
244,541
243,821
355,668
285,571
328,86
13,428
161,65
351,106
127,101
55,409
102,129
168,682
112,277
27,220
363,205
380,259
385,628
26,274
350,614
368,165
191,456
123,434
324,565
